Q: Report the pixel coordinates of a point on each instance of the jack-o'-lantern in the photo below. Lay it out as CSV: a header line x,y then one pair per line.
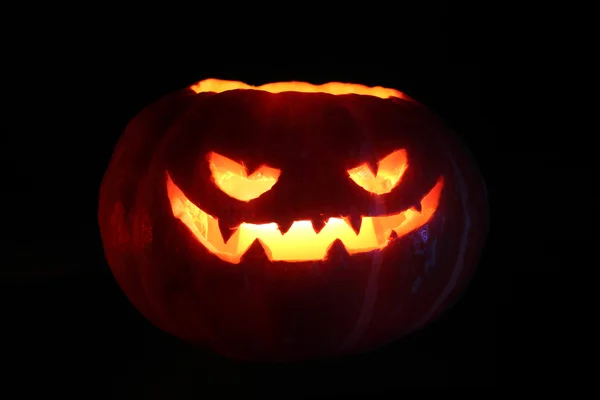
x,y
290,220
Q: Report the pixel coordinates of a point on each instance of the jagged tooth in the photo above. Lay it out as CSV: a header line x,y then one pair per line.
x,y
318,223
257,251
417,206
226,229
284,225
355,221
393,235
337,252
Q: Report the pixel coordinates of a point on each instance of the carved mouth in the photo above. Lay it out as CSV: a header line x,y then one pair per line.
x,y
303,241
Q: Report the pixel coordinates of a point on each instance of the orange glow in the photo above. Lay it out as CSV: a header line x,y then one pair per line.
x,y
232,178
301,242
219,86
390,170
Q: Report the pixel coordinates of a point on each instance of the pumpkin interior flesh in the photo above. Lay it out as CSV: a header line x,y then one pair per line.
x,y
389,172
335,88
300,242
232,178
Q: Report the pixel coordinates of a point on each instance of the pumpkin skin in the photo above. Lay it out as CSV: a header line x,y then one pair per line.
x,y
259,308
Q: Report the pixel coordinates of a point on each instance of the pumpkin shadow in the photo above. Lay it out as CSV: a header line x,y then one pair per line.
x,y
436,357
104,343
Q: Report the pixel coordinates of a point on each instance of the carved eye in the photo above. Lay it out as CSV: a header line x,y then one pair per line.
x,y
389,172
233,179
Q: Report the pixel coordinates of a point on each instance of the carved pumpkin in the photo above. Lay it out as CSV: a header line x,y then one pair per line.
x,y
290,220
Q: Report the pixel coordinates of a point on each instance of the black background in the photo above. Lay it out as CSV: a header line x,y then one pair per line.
x,y
67,327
